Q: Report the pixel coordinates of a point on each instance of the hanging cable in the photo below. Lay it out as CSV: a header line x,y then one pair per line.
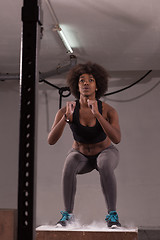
x,y
135,98
64,89
47,110
51,84
131,85
61,91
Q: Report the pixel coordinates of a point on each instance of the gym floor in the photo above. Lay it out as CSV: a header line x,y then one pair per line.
x,y
148,234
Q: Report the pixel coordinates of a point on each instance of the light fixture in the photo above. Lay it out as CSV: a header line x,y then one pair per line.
x,y
58,28
63,38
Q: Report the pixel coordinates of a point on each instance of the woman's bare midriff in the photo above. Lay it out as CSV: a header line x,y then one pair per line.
x,y
91,149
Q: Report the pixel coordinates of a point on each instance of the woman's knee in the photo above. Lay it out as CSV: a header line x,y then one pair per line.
x,y
108,159
73,163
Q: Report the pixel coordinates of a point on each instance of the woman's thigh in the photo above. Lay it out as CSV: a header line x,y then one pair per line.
x,y
108,158
78,163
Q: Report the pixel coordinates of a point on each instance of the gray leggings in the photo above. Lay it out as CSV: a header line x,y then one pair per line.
x,y
76,163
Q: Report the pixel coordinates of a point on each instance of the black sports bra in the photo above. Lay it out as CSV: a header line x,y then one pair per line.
x,y
85,134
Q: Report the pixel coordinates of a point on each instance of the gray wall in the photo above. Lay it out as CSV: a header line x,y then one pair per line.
x,y
137,174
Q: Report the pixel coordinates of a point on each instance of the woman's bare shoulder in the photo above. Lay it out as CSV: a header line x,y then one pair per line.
x,y
107,108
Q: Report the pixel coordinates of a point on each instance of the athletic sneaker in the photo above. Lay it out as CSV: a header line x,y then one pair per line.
x,y
112,219
67,218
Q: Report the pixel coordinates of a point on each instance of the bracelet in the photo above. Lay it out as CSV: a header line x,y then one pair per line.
x,y
66,119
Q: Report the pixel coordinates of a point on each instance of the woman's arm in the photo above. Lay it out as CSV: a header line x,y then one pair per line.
x,y
60,122
57,127
109,121
111,126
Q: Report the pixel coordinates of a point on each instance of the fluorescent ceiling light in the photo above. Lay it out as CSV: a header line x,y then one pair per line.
x,y
64,40
58,28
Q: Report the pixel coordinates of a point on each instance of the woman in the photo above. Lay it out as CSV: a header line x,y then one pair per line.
x,y
95,126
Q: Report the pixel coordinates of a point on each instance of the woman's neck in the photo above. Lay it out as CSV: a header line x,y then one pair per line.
x,y
83,101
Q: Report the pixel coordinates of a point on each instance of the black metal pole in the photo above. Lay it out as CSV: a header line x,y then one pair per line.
x,y
27,137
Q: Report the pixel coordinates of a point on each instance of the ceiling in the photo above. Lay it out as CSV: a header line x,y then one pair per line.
x,y
121,35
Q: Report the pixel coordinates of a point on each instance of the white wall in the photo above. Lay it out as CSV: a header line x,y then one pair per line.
x,y
9,137
137,174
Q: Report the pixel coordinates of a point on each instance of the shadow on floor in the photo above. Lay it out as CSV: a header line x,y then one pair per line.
x,y
148,234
